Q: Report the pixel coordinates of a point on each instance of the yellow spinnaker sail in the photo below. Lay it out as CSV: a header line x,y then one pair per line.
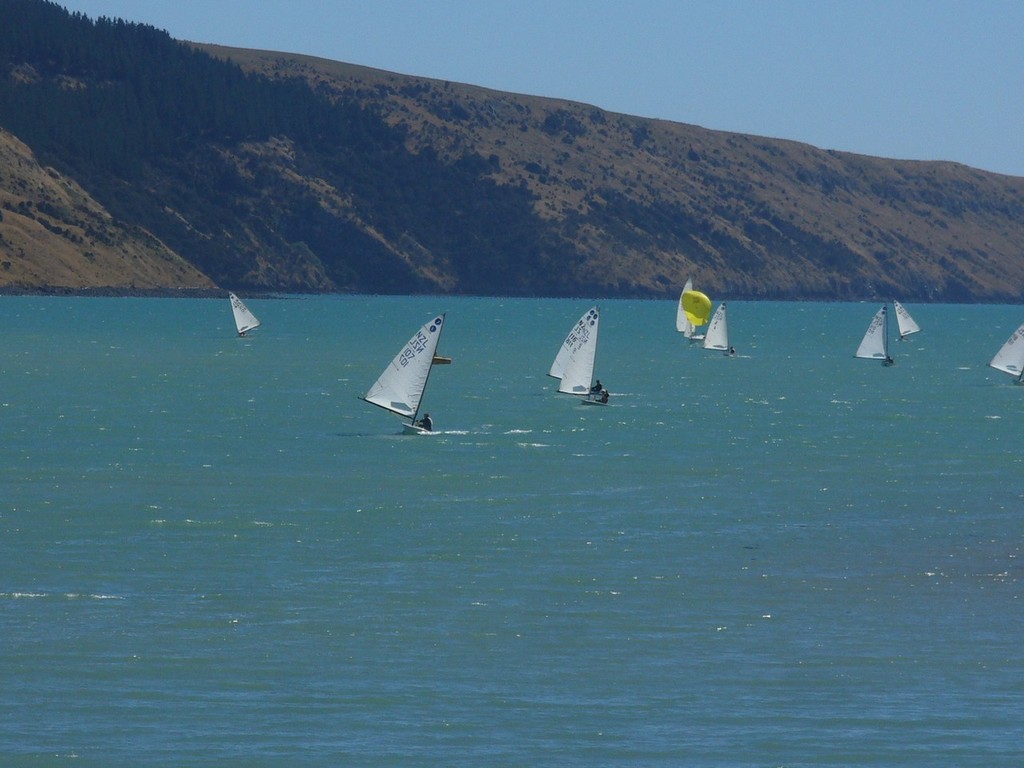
x,y
697,307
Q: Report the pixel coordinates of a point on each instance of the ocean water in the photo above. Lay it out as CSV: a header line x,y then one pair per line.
x,y
213,553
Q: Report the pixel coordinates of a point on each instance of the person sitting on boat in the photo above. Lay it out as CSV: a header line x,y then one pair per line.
x,y
597,387
604,396
426,422
732,351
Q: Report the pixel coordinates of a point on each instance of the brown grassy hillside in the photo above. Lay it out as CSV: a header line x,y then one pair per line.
x,y
401,184
648,203
54,235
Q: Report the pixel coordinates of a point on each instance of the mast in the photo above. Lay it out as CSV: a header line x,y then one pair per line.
x,y
885,333
430,368
593,365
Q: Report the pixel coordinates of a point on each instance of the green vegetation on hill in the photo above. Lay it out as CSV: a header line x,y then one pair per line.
x,y
283,172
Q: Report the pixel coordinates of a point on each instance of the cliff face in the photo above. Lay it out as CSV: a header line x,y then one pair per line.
x,y
166,165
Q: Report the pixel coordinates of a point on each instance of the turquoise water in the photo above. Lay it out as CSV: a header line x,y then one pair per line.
x,y
212,552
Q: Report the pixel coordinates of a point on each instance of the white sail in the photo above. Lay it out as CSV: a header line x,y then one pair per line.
x,y
717,335
578,370
904,321
245,320
683,324
874,345
576,338
400,387
1010,357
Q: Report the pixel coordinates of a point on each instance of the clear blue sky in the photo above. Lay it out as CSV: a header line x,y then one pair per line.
x,y
915,79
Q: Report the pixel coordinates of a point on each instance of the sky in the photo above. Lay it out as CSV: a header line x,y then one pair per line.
x,y
907,79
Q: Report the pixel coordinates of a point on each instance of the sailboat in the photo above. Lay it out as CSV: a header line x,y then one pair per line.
x,y
1010,357
574,363
245,320
693,311
875,344
400,387
904,322
717,336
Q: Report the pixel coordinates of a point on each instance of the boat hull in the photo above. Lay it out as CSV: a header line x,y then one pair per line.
x,y
415,429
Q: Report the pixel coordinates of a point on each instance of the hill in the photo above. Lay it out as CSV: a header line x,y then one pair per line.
x,y
646,202
54,235
283,172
